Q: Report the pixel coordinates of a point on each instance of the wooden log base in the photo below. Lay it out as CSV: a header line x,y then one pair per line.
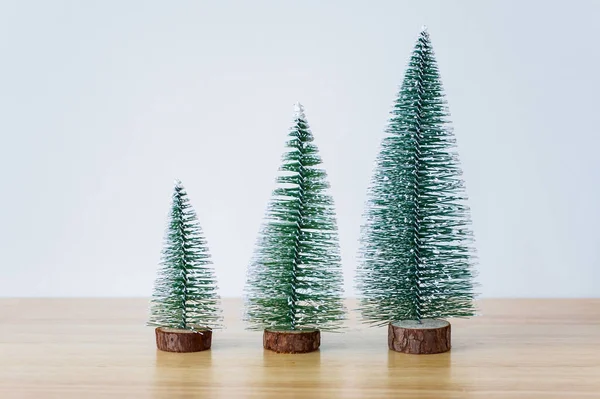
x,y
179,340
300,341
428,337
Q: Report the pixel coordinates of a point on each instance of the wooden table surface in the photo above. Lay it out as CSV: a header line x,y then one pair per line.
x,y
100,348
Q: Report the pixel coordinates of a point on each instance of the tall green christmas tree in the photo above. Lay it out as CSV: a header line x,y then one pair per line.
x,y
416,245
295,278
185,292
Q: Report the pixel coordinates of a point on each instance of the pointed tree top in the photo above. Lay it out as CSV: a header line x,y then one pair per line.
x,y
299,111
423,36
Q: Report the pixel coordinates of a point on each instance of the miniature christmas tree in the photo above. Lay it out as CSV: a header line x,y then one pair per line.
x,y
294,284
185,304
416,245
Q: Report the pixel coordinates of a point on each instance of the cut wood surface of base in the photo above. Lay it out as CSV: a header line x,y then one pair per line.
x,y
424,337
101,348
180,340
296,341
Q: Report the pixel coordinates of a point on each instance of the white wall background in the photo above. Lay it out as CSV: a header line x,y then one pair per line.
x,y
104,103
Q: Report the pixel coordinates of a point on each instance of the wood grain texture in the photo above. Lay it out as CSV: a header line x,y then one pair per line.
x,y
100,348
428,337
292,341
182,341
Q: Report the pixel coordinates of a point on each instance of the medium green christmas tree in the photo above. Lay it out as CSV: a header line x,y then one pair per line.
x,y
295,278
185,293
416,245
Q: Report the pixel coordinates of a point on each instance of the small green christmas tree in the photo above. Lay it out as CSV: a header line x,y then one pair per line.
x,y
185,292
295,277
416,245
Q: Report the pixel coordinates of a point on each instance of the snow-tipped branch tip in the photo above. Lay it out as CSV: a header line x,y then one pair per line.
x,y
299,111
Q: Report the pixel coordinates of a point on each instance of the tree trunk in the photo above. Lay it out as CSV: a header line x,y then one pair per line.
x,y
178,340
428,337
292,341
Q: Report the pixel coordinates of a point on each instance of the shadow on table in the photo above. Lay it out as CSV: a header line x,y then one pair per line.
x,y
180,374
172,360
275,360
304,370
423,374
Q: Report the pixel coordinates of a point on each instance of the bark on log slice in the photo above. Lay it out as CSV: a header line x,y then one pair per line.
x,y
300,341
428,337
179,340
